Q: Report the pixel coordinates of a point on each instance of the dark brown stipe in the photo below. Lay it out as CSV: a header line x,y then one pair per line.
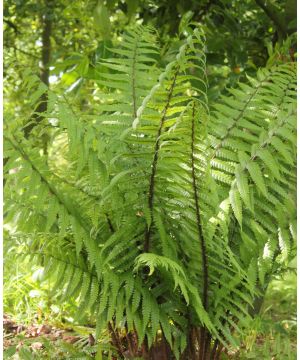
x,y
110,225
115,340
198,217
201,238
154,165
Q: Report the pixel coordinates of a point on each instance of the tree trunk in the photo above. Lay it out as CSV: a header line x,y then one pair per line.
x,y
44,70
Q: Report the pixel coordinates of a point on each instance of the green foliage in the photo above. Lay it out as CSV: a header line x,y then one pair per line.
x,y
154,209
272,332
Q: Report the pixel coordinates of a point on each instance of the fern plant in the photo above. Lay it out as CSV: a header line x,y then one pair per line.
x,y
165,216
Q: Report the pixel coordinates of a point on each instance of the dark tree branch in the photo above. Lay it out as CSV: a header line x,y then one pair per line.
x,y
12,25
272,12
205,10
46,49
44,69
25,52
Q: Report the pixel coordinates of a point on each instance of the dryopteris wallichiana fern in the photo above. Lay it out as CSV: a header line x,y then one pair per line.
x,y
163,218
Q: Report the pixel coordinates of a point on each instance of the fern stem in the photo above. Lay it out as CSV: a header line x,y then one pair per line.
x,y
51,188
74,186
83,191
274,130
129,341
198,217
239,116
110,225
202,349
214,349
115,340
133,80
207,347
154,164
63,261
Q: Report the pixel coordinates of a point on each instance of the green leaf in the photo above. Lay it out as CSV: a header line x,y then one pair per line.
x,y
136,298
102,21
284,243
282,149
243,186
243,158
146,309
236,204
269,161
52,212
257,177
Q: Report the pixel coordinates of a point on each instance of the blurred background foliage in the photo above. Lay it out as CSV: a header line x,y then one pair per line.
x,y
62,41
69,37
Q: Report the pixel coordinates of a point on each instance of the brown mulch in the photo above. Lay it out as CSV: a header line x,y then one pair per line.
x,y
12,329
